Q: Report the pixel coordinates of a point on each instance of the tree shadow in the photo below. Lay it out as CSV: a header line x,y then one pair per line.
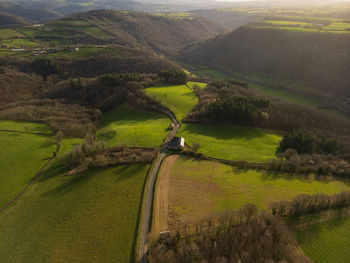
x,y
71,183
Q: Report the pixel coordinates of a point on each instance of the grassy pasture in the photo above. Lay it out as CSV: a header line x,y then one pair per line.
x,y
188,16
199,188
9,33
324,25
34,127
285,95
192,84
128,126
88,51
232,142
21,157
90,217
20,43
327,241
180,99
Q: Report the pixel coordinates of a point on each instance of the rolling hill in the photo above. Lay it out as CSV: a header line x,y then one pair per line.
x,y
33,14
317,59
165,33
8,19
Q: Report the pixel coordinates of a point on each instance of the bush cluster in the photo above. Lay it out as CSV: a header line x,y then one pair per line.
x,y
306,204
308,142
244,236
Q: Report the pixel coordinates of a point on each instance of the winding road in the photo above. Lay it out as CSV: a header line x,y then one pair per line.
x,y
147,215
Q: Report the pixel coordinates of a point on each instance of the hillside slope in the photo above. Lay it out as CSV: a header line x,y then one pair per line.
x,y
8,19
29,13
322,60
230,19
165,33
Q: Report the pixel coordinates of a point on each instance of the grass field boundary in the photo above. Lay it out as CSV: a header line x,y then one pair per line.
x,y
138,230
34,133
33,180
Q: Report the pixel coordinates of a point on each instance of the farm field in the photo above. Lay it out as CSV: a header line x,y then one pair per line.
x,y
88,217
180,99
126,126
88,51
232,142
22,156
10,33
308,24
25,127
192,84
327,241
189,189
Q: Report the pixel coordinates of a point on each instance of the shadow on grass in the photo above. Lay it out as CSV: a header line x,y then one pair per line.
x,y
124,114
69,183
224,132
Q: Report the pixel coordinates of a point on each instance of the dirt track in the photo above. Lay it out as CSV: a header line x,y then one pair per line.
x,y
161,208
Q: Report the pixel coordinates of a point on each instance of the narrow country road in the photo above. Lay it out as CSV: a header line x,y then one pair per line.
x,y
147,215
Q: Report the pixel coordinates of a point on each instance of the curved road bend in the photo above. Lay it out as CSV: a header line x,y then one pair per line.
x,y
146,221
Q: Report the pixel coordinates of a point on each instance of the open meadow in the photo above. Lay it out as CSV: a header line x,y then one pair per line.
x,y
232,142
180,99
89,217
31,127
327,241
189,189
22,156
126,126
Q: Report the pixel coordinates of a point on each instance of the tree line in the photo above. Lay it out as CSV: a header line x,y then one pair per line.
x,y
306,204
243,236
308,142
235,109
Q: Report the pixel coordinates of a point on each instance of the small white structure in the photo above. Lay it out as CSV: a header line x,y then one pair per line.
x,y
17,49
177,143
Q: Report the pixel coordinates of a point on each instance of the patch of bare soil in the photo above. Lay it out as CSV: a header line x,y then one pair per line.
x,y
161,213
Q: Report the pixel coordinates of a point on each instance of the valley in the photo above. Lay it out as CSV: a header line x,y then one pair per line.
x,y
174,132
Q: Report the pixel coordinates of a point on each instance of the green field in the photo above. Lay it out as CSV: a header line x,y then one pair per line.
x,y
199,188
232,142
179,99
327,241
9,33
286,95
193,84
20,43
322,25
126,126
25,127
88,51
90,217
188,16
206,72
21,157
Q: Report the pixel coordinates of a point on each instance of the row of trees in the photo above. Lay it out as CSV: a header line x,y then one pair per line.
x,y
116,79
244,236
234,109
173,76
70,119
308,142
306,204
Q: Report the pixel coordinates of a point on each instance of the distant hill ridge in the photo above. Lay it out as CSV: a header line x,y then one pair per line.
x,y
9,19
319,59
161,33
